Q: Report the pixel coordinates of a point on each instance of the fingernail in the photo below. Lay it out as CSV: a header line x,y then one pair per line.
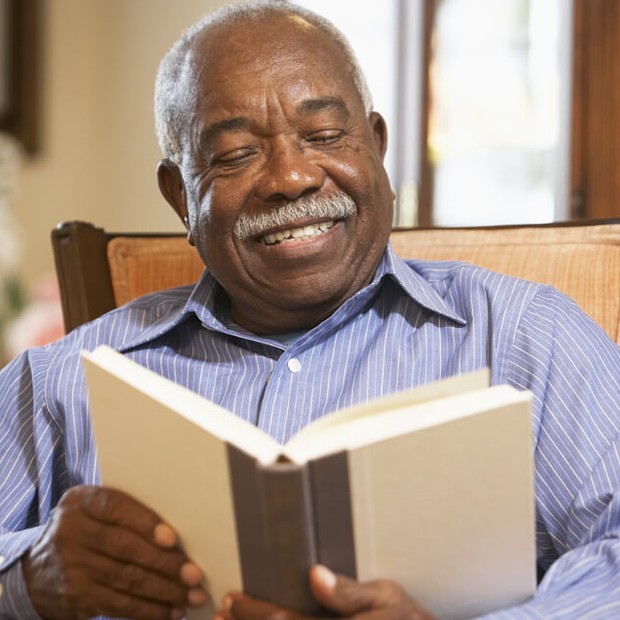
x,y
227,602
177,614
191,574
325,575
164,535
197,597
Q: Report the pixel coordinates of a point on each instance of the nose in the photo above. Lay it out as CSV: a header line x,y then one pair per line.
x,y
288,174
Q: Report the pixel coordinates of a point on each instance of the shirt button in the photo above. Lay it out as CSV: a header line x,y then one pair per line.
x,y
294,365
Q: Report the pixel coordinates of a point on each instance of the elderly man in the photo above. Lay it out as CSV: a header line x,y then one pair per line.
x,y
273,159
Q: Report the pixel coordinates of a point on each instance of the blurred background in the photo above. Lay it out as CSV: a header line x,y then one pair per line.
x,y
500,111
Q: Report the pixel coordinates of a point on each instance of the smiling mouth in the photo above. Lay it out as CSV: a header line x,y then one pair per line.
x,y
296,234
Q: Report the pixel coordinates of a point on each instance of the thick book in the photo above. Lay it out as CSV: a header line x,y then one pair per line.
x,y
431,487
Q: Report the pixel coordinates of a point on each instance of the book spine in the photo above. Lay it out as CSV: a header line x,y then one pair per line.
x,y
275,531
333,513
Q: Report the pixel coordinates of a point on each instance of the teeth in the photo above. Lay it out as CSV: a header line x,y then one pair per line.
x,y
297,233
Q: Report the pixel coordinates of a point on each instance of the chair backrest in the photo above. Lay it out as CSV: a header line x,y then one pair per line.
x,y
98,270
581,260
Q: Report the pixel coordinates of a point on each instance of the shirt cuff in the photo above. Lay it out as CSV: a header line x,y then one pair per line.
x,y
14,600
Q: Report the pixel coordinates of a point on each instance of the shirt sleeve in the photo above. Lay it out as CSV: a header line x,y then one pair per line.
x,y
38,442
18,484
573,369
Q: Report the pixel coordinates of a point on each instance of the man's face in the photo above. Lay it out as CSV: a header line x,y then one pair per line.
x,y
278,119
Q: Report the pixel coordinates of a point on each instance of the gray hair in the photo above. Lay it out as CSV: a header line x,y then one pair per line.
x,y
175,91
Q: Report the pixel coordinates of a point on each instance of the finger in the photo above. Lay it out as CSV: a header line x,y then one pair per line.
x,y
78,535
340,593
73,595
165,536
116,507
118,526
119,544
106,602
365,601
239,606
135,580
344,595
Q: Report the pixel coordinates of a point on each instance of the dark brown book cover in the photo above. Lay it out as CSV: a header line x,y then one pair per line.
x,y
289,517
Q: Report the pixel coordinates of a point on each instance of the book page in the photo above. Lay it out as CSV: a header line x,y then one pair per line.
x,y
356,432
164,461
437,389
448,512
202,413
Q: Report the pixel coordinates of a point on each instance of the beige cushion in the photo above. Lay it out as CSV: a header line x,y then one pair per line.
x,y
140,265
581,261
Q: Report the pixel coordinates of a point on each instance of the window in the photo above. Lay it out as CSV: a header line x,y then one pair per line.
x,y
499,111
498,115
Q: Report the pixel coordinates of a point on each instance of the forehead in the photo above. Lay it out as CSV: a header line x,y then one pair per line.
x,y
261,58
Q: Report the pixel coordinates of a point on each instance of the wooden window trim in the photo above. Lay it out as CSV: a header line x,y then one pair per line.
x,y
595,151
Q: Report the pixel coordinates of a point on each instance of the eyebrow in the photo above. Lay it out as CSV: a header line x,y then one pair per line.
x,y
242,123
239,123
324,103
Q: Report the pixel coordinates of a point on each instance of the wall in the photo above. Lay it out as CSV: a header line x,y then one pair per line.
x,y
99,152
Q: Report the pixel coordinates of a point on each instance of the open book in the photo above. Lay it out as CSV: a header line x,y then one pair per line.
x,y
431,487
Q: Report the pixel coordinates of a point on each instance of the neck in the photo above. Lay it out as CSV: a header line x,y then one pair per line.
x,y
267,322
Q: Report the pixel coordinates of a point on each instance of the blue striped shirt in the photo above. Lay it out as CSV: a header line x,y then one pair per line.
x,y
416,322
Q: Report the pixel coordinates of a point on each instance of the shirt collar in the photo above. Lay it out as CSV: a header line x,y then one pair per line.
x,y
416,286
207,301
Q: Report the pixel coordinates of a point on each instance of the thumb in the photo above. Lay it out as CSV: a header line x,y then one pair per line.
x,y
339,593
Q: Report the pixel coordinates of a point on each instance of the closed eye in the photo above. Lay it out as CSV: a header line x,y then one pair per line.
x,y
233,158
325,137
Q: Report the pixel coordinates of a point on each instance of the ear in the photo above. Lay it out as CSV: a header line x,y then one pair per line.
x,y
172,188
379,132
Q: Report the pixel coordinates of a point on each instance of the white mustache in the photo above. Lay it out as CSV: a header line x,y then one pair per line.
x,y
334,207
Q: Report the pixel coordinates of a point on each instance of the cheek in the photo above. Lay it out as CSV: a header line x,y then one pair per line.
x,y
208,214
361,168
370,187
212,221
201,220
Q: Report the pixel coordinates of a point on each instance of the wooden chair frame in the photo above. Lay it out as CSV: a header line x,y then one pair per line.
x,y
83,271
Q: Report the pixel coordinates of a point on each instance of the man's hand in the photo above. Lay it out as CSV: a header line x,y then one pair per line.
x,y
348,598
104,553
